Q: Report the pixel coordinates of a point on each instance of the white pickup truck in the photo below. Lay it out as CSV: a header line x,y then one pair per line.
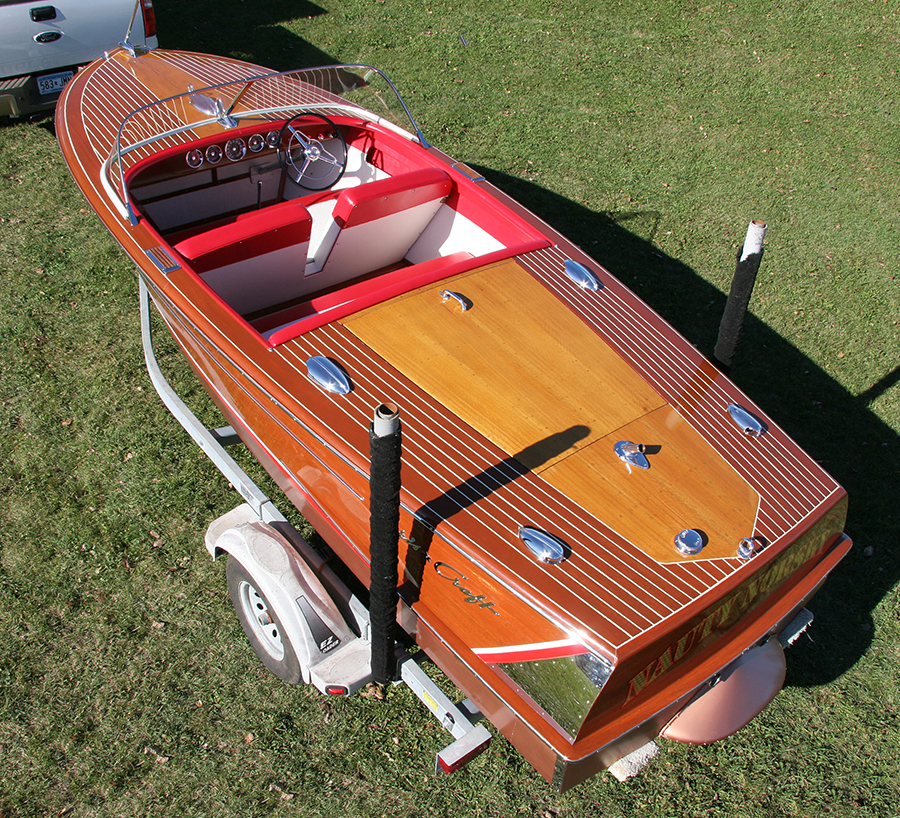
x,y
43,45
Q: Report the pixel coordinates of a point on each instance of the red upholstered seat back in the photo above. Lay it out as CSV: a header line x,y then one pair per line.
x,y
375,224
250,235
375,200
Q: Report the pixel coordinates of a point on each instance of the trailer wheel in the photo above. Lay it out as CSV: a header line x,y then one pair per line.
x,y
261,624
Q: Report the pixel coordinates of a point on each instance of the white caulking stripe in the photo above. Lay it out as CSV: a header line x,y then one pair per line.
x,y
792,513
413,444
354,356
279,91
111,86
489,458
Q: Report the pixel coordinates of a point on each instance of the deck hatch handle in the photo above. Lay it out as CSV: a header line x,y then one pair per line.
x,y
632,454
446,295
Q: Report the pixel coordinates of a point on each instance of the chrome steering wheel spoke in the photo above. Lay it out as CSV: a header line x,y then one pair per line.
x,y
312,151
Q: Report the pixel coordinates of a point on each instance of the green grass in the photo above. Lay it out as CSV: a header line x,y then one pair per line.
x,y
651,133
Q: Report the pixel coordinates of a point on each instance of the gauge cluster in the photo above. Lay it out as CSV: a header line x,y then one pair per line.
x,y
233,150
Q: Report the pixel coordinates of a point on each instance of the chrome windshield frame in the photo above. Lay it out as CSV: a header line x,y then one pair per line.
x,y
228,118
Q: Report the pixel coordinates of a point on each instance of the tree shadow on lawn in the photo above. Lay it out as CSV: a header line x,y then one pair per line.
x,y
836,428
245,30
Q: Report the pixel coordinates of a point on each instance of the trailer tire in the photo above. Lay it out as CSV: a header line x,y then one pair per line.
x,y
261,624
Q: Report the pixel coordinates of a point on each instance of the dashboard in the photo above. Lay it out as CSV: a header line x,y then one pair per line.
x,y
232,150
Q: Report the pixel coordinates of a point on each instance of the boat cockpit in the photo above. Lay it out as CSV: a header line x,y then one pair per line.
x,y
295,221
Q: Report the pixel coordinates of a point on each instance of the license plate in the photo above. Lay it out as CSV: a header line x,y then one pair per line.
x,y
51,83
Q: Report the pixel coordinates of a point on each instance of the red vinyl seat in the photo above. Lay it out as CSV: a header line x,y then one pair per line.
x,y
375,224
256,261
250,235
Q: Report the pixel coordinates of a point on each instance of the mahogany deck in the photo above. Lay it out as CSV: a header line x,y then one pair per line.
x,y
610,589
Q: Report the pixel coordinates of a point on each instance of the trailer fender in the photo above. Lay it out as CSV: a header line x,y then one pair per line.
x,y
309,618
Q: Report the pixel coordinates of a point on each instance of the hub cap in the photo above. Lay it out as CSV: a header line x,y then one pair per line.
x,y
261,620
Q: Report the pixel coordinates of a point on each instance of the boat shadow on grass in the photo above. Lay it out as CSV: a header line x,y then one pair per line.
x,y
248,31
836,428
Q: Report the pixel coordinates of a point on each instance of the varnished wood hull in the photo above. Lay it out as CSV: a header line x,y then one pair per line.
x,y
510,412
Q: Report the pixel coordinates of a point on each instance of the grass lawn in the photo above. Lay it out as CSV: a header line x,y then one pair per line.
x,y
649,132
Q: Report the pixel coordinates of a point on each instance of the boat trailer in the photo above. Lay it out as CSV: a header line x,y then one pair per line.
x,y
303,621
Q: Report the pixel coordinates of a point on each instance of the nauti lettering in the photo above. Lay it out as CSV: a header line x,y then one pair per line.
x,y
728,612
449,573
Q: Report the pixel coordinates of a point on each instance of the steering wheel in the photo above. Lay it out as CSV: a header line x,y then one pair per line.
x,y
312,151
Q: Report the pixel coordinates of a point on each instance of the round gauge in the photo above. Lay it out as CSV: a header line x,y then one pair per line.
x,y
235,149
194,158
213,154
273,138
256,142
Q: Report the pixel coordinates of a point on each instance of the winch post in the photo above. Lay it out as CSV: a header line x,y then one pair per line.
x,y
748,261
384,522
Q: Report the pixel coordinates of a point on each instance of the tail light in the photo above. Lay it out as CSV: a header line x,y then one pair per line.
x,y
149,18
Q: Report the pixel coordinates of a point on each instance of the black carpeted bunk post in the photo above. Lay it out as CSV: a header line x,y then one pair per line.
x,y
384,521
748,260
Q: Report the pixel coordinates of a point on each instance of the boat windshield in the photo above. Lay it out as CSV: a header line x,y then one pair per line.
x,y
356,90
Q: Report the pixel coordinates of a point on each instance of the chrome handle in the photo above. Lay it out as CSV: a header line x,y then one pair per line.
x,y
448,294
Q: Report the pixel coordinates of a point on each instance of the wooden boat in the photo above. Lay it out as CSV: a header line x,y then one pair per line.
x,y
601,538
